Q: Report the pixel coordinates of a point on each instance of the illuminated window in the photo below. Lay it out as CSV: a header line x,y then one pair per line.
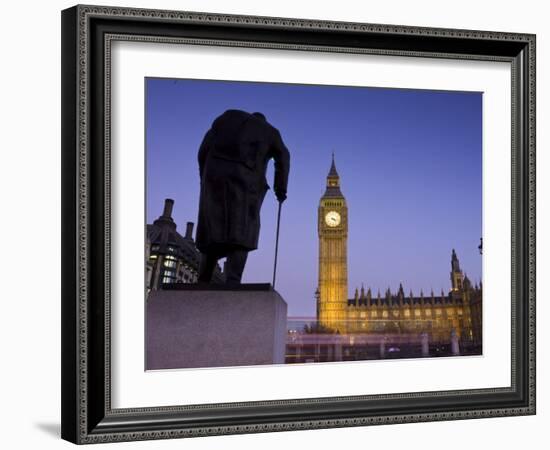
x,y
169,263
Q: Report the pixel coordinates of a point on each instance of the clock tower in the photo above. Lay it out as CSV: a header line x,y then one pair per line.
x,y
332,226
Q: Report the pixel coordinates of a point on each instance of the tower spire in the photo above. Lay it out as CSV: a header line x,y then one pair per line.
x,y
333,173
456,274
333,181
454,261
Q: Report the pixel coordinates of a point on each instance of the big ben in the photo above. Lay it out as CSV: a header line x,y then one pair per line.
x,y
332,225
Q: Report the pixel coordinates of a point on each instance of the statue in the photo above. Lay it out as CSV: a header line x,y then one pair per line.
x,y
233,159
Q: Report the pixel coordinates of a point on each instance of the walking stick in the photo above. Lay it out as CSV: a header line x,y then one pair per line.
x,y
276,244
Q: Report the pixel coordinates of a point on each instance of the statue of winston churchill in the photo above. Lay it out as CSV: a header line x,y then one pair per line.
x,y
233,159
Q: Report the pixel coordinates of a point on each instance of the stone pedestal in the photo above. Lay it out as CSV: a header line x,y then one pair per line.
x,y
192,327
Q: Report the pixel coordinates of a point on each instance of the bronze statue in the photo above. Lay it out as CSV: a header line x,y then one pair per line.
x,y
233,159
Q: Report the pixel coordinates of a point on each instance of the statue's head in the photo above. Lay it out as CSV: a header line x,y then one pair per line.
x,y
259,115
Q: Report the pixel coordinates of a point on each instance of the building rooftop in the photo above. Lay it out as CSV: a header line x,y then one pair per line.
x,y
165,238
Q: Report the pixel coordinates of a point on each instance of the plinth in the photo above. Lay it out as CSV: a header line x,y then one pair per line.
x,y
191,326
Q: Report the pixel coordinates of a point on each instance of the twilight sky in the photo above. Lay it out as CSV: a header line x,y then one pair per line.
x,y
409,164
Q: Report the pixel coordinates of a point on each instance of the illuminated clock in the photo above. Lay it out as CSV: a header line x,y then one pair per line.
x,y
332,219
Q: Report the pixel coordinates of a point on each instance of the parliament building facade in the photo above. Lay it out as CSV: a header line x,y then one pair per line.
x,y
441,317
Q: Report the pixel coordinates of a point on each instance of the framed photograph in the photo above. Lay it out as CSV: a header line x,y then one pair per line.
x,y
278,224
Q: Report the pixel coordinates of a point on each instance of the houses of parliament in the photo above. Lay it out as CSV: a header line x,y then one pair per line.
x,y
441,316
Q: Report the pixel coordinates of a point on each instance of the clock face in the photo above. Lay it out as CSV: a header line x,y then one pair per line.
x,y
332,219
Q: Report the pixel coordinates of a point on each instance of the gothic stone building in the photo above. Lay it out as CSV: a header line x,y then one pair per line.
x,y
440,316
169,256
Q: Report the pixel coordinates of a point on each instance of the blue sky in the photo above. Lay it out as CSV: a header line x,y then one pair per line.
x,y
409,163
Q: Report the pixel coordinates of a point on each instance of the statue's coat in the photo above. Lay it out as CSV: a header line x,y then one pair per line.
x,y
233,159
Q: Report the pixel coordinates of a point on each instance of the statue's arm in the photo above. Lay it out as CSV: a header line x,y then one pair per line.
x,y
281,156
203,151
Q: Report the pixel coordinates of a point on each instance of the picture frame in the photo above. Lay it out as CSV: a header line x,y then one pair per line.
x,y
87,366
